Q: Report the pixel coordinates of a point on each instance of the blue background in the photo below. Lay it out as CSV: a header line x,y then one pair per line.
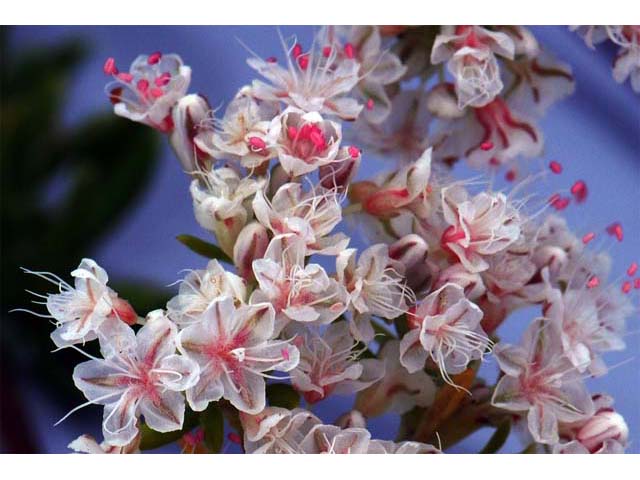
x,y
595,134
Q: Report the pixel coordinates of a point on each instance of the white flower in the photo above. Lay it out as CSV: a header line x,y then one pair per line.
x,y
311,216
220,202
304,141
539,380
79,311
298,292
375,283
334,440
189,120
234,349
310,82
88,444
445,327
479,226
586,326
201,287
329,362
150,89
241,134
140,374
276,430
398,391
470,51
627,62
388,447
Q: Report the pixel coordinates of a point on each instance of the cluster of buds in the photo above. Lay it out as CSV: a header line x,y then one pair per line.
x,y
403,322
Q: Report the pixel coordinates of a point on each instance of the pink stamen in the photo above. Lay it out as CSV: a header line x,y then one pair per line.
x,y
292,133
555,167
493,161
142,85
626,287
615,229
510,176
588,237
125,77
285,354
154,58
486,146
636,283
110,67
163,79
349,51
297,51
257,143
326,51
156,92
303,61
633,268
579,191
593,282
558,202
370,104
271,60
354,152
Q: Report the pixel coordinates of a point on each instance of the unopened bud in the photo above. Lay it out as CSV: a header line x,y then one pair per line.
x,y
123,310
603,426
251,244
471,282
339,174
411,251
188,117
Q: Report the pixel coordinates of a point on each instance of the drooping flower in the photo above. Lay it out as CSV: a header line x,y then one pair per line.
x,y
150,89
139,374
220,203
542,382
88,444
303,141
298,292
329,362
398,391
251,244
470,55
189,119
627,62
276,430
479,226
241,134
310,82
233,348
311,216
79,311
201,287
445,327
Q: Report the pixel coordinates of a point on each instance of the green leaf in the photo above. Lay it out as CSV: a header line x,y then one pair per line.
x,y
151,439
498,438
282,395
402,326
203,248
212,423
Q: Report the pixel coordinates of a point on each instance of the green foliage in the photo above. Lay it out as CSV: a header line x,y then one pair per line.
x,y
283,395
150,439
212,423
498,438
204,248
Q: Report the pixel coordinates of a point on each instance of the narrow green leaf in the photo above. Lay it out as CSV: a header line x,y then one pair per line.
x,y
402,327
151,439
282,395
212,423
498,438
204,248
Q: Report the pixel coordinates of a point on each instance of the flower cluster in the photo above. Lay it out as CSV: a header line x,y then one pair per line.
x,y
289,309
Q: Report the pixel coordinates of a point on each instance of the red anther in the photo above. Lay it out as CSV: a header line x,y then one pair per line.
x,y
257,143
303,61
349,50
142,85
579,191
271,60
588,237
555,167
615,229
292,133
317,138
354,152
633,268
452,235
156,92
510,176
154,58
326,51
234,438
163,79
125,77
626,287
115,95
110,67
486,146
636,283
297,50
493,161
370,104
558,202
593,282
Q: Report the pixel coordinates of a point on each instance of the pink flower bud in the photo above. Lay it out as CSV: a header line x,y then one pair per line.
x,y
251,244
605,425
340,173
352,419
188,116
411,251
123,310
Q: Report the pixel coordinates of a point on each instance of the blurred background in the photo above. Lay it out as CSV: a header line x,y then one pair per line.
x,y
77,181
